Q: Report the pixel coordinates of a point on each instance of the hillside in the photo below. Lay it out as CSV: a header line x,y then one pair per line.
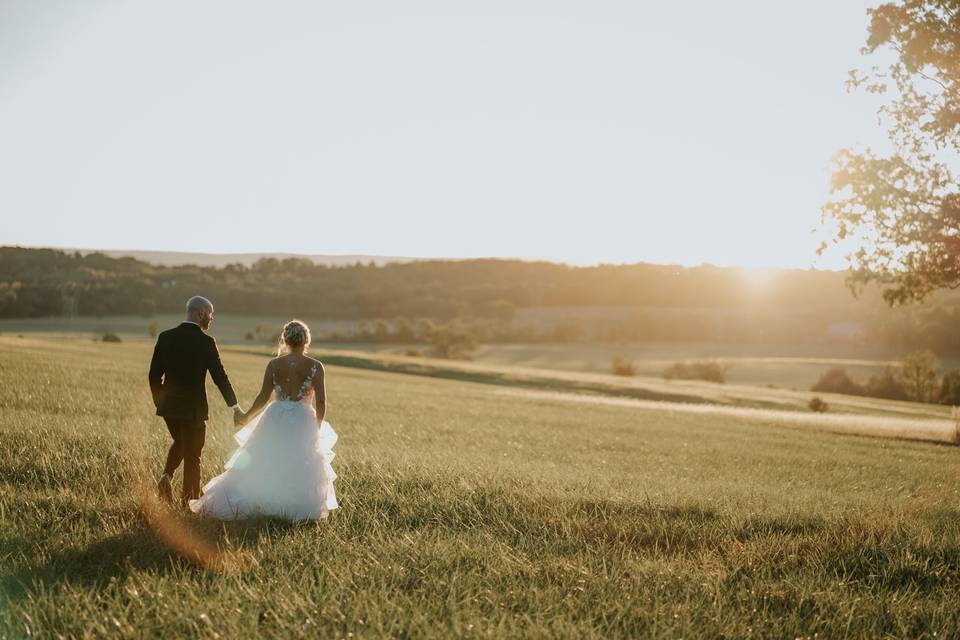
x,y
503,300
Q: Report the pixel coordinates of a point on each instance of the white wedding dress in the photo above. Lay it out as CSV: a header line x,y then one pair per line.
x,y
282,467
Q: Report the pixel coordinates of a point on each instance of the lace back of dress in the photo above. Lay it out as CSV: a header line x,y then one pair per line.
x,y
302,392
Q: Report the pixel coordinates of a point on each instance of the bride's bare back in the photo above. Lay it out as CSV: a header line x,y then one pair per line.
x,y
292,377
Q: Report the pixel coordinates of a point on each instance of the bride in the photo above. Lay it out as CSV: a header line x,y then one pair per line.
x,y
282,467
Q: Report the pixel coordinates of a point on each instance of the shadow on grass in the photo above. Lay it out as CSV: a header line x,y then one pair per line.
x,y
142,548
503,379
514,380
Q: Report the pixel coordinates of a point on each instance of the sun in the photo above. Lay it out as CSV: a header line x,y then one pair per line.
x,y
758,278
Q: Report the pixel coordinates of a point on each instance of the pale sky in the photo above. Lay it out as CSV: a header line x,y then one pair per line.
x,y
590,131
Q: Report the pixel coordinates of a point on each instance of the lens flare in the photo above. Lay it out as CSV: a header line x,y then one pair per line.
x,y
172,528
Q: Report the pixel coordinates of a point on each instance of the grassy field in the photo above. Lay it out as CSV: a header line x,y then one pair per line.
x,y
789,366
783,366
485,503
684,394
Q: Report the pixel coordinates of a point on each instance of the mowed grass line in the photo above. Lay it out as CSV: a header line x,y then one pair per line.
x,y
469,513
633,388
785,366
880,426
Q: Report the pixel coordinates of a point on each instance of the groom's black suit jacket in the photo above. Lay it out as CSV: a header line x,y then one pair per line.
x,y
178,373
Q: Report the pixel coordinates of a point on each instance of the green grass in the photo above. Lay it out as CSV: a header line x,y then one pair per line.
x,y
789,366
468,511
640,388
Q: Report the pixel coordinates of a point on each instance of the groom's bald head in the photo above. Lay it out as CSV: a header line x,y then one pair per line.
x,y
200,310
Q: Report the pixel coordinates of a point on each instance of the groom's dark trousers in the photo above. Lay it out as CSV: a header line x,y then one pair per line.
x,y
188,438
178,373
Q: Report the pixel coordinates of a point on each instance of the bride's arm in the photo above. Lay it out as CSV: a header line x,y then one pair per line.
x,y
266,390
320,394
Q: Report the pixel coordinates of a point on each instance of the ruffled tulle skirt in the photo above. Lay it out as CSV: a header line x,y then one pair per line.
x,y
281,468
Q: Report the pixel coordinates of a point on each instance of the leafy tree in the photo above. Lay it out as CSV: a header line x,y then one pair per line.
x,y
837,380
903,211
708,370
453,340
403,330
950,388
918,371
886,384
381,331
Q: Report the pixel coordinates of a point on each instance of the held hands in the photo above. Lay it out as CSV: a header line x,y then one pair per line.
x,y
238,417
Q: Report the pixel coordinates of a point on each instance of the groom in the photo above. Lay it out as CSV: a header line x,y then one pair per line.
x,y
178,373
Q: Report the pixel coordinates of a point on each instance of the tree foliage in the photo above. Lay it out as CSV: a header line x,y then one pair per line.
x,y
44,282
902,212
837,380
708,370
950,388
454,340
502,300
887,384
918,373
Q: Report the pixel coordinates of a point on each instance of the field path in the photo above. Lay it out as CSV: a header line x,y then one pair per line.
x,y
647,389
934,430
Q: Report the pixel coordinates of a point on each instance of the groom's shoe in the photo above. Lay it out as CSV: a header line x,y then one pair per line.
x,y
165,489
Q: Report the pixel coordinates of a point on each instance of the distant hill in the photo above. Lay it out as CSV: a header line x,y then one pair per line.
x,y
178,258
505,300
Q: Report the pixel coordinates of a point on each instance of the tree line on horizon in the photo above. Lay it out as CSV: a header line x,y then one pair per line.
x,y
607,303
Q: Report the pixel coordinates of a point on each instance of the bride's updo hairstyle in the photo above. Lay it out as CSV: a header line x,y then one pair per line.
x,y
294,335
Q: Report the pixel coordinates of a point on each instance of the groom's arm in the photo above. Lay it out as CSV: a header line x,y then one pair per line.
x,y
219,375
156,375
